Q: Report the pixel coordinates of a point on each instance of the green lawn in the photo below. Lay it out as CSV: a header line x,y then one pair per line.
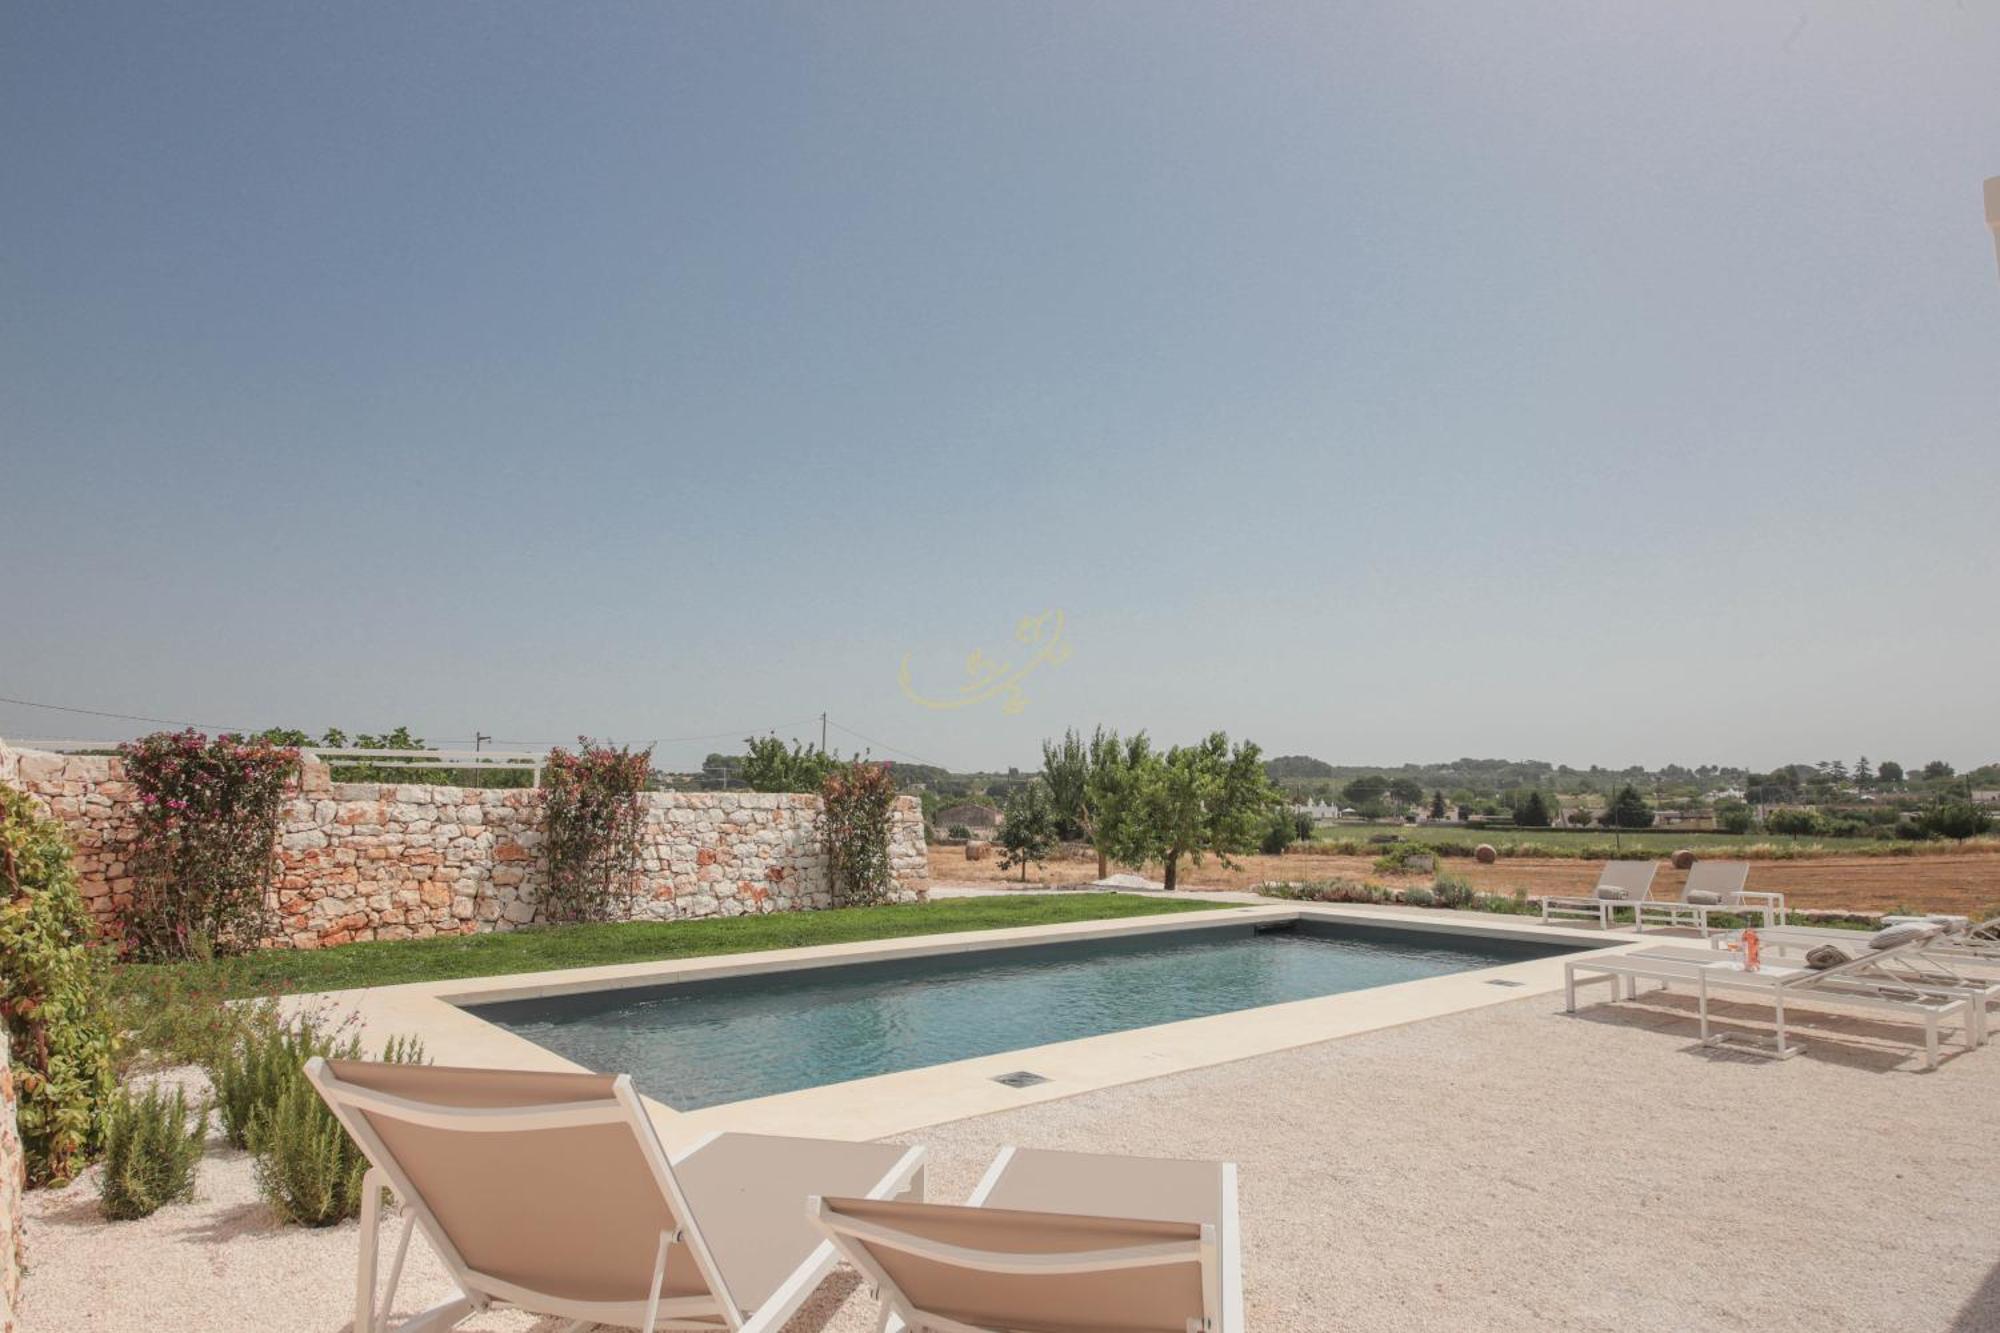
x,y
384,963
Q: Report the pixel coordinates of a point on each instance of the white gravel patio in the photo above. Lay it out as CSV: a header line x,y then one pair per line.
x,y
1508,1168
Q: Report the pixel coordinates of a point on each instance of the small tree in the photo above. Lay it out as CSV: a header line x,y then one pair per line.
x,y
1957,819
769,766
1733,817
592,823
1196,800
1628,809
1366,794
1027,828
1533,811
1066,776
1111,791
1405,791
1437,805
204,849
859,800
1937,769
1889,771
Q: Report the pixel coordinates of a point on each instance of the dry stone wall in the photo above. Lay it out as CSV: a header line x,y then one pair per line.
x,y
13,1171
363,861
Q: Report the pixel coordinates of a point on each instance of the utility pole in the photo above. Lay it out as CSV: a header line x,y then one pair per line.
x,y
479,738
822,733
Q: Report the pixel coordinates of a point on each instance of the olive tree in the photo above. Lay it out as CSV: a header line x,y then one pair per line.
x,y
1193,801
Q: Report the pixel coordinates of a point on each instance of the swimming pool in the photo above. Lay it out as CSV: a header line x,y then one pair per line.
x,y
702,1043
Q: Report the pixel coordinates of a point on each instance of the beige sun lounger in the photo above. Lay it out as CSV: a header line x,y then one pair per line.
x,y
1055,1242
550,1192
1721,881
1619,884
1977,942
1847,983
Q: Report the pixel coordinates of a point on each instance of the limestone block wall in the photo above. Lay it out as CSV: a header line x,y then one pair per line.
x,y
364,861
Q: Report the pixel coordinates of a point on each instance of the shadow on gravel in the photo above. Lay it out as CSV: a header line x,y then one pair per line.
x,y
1849,1040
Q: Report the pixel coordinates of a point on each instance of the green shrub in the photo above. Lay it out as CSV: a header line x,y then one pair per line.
x,y
859,802
960,832
592,823
1406,858
252,1072
1279,834
308,1170
152,1145
1453,891
1795,823
1419,897
204,849
52,994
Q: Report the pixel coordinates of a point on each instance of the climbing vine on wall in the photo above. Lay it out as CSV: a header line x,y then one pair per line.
x,y
592,823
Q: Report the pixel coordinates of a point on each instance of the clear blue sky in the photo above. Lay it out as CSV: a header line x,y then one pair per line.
x,y
1594,381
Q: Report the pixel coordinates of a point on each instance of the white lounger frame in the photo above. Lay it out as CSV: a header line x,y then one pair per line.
x,y
1218,1250
1834,984
1601,908
479,1291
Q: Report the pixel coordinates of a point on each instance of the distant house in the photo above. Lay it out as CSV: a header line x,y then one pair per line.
x,y
1322,812
980,819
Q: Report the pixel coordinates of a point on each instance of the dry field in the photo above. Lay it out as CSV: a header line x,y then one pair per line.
x,y
1856,883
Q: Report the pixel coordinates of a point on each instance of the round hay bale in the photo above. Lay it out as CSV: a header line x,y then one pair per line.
x,y
1683,859
1485,853
978,851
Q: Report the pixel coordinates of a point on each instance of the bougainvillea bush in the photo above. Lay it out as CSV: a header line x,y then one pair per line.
x,y
52,995
205,851
860,800
591,826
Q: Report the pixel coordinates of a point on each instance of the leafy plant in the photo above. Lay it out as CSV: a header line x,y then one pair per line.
x,y
1628,809
308,1169
1195,800
1407,858
959,831
1419,897
1957,819
769,766
152,1145
204,850
52,995
859,801
592,823
1453,891
1028,830
253,1071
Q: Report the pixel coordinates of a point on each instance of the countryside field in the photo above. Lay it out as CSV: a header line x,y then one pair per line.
x,y
1954,882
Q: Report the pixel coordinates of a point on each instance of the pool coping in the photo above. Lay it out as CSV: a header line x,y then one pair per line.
x,y
886,1105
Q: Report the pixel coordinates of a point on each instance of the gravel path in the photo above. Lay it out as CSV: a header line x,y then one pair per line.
x,y
1511,1168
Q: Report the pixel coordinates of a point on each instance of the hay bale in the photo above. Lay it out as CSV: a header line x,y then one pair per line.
x,y
976,850
1485,853
1683,859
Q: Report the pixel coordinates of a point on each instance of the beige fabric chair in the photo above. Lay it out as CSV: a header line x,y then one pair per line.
x,y
1056,1242
1619,884
551,1192
1722,882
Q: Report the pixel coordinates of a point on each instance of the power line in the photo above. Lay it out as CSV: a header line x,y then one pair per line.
x,y
879,745
121,717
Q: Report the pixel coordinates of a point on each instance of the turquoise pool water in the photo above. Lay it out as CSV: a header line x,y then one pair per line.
x,y
703,1043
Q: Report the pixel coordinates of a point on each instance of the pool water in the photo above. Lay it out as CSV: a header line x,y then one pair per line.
x,y
702,1043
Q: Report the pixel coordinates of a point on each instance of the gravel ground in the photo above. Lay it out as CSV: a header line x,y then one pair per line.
x,y
1511,1168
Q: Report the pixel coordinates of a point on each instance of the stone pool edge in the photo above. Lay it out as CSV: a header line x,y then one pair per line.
x,y
886,1105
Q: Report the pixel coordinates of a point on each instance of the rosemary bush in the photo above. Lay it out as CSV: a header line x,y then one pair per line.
x,y
308,1170
152,1145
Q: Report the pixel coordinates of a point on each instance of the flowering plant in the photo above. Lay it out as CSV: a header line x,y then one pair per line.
x,y
858,800
591,825
205,850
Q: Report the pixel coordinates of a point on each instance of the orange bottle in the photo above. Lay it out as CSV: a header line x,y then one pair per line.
x,y
1750,950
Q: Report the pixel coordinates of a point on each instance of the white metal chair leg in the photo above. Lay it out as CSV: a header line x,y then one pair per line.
x,y
659,1277
364,1268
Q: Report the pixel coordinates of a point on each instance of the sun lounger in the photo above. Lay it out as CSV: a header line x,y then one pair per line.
x,y
1963,943
1846,984
551,1193
1712,887
1055,1242
1619,884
